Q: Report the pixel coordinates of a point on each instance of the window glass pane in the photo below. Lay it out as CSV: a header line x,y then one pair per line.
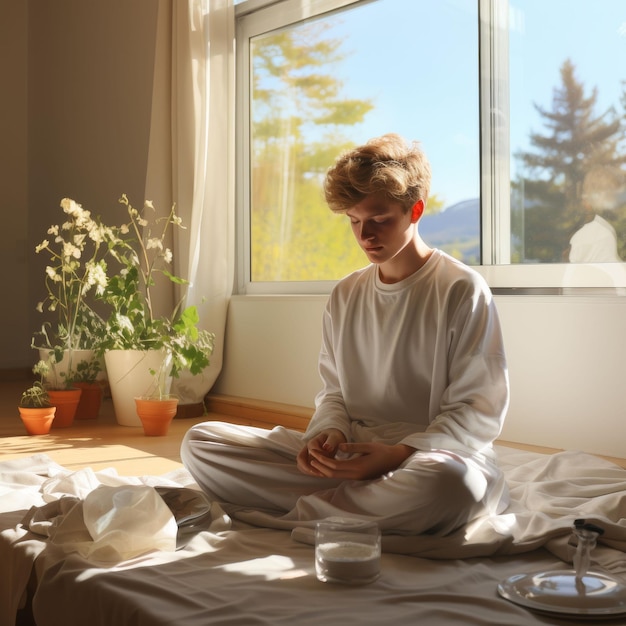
x,y
568,154
320,86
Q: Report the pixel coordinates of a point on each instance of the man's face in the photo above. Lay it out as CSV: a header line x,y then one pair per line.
x,y
381,227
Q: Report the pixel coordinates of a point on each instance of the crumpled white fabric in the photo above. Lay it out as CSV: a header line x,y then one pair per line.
x,y
127,521
54,496
82,482
103,516
111,523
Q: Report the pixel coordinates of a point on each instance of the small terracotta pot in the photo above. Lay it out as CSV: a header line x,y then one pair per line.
x,y
66,402
156,414
90,401
37,420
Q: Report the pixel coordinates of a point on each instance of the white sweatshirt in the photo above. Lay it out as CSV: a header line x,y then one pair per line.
x,y
419,362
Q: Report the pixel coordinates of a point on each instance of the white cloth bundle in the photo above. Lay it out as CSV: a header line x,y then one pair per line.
x,y
110,524
111,518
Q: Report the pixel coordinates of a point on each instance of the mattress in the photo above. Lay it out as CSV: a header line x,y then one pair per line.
x,y
227,572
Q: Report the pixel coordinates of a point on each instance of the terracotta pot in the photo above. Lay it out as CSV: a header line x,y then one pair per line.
x,y
90,401
66,402
37,420
156,414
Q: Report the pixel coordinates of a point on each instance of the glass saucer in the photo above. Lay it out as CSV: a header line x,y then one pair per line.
x,y
596,595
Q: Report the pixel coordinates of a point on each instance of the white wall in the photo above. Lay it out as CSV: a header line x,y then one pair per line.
x,y
565,354
15,251
271,348
566,362
76,82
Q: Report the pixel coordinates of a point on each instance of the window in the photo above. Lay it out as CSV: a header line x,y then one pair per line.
x,y
567,98
520,107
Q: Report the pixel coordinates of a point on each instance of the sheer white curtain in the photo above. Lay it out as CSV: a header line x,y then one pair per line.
x,y
191,160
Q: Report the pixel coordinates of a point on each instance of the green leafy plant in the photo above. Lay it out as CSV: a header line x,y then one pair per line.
x,y
141,252
97,267
37,395
87,370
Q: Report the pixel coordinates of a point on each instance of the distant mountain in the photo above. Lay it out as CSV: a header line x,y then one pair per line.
x,y
456,230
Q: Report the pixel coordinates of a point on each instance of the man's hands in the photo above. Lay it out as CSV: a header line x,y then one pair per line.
x,y
357,461
326,444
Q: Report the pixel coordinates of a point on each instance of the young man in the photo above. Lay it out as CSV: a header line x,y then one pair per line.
x,y
415,385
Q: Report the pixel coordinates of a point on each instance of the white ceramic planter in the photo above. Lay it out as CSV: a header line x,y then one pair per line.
x,y
129,373
54,379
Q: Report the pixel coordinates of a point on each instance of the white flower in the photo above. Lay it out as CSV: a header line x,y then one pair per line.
x,y
70,250
97,232
66,204
52,274
167,255
41,367
83,218
42,246
74,209
96,276
154,243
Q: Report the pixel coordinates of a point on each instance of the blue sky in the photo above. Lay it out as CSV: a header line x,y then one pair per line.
x,y
417,61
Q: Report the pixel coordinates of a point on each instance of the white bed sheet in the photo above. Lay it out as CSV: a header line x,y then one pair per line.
x,y
250,575
261,577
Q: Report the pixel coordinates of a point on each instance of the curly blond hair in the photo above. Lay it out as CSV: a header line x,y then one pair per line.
x,y
387,166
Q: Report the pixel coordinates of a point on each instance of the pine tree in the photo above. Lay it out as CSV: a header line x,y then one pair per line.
x,y
575,141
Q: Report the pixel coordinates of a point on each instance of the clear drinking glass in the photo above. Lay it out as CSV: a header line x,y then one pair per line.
x,y
347,551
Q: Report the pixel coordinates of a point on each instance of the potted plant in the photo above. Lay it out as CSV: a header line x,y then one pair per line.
x,y
75,273
35,407
144,349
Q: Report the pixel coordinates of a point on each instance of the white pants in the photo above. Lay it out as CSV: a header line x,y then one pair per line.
x,y
252,473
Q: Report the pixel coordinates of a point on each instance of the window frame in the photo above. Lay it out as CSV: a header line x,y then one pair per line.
x,y
257,17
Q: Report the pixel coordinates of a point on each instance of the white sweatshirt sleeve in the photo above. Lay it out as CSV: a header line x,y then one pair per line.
x,y
330,408
471,405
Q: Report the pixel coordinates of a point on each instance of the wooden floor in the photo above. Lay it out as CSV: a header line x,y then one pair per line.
x,y
102,443
97,443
